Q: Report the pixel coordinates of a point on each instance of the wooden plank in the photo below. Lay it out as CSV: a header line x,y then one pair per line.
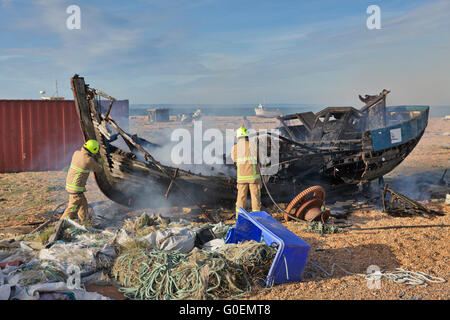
x,y
171,183
56,234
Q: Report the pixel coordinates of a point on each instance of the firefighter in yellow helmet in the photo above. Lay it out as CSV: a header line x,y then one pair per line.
x,y
245,156
83,161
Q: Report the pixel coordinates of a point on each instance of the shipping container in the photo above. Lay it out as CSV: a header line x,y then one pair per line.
x,y
158,115
39,135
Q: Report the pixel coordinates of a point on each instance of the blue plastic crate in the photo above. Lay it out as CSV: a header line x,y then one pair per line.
x,y
292,253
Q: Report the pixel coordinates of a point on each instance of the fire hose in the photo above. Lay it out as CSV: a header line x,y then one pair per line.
x,y
273,201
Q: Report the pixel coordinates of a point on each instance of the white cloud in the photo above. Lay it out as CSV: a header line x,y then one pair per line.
x,y
151,57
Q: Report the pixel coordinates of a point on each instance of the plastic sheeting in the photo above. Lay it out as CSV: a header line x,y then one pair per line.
x,y
180,239
44,273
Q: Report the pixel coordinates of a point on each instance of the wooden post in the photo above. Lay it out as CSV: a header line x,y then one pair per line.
x,y
171,183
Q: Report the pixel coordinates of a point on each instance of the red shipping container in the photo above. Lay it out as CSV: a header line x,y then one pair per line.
x,y
38,135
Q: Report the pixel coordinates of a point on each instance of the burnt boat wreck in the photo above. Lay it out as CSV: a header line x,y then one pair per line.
x,y
336,146
351,146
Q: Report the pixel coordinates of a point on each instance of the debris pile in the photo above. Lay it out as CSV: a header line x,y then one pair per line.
x,y
200,274
149,257
26,274
160,259
156,232
255,258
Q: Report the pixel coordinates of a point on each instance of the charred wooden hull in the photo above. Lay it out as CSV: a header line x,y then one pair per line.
x,y
131,182
350,150
367,156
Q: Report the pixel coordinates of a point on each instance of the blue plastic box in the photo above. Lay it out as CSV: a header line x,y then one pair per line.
x,y
292,253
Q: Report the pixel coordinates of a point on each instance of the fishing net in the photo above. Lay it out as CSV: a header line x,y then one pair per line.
x,y
200,274
254,257
145,224
37,272
173,275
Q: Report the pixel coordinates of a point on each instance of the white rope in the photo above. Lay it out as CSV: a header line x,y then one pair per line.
x,y
397,275
413,278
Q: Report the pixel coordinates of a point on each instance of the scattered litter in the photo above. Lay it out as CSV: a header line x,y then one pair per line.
x,y
213,245
171,239
156,232
30,281
152,257
32,272
12,251
164,264
323,228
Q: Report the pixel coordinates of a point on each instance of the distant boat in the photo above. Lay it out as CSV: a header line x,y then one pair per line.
x,y
262,111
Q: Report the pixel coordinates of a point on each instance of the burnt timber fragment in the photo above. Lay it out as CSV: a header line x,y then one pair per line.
x,y
397,204
127,180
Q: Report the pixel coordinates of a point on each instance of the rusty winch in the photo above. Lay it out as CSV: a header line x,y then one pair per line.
x,y
309,205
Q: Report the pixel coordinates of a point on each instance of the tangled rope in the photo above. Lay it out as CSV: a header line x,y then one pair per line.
x,y
200,274
398,275
254,257
413,278
174,275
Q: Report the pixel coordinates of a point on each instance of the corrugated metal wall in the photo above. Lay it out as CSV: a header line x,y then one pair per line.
x,y
38,135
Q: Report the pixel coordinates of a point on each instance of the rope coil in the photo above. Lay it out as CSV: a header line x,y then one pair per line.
x,y
398,275
200,274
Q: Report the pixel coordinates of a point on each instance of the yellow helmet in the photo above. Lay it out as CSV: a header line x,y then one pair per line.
x,y
241,132
92,146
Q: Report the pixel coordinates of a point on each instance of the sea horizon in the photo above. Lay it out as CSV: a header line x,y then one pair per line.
x,y
248,109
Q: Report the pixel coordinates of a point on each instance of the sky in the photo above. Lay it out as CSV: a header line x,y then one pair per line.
x,y
228,51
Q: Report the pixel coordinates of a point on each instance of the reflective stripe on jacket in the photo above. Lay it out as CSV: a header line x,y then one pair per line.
x,y
244,154
80,167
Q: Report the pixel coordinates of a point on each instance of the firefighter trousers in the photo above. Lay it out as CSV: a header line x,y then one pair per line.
x,y
255,194
77,204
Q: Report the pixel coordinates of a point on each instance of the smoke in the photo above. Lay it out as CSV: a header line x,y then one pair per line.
x,y
51,154
416,186
198,149
201,147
